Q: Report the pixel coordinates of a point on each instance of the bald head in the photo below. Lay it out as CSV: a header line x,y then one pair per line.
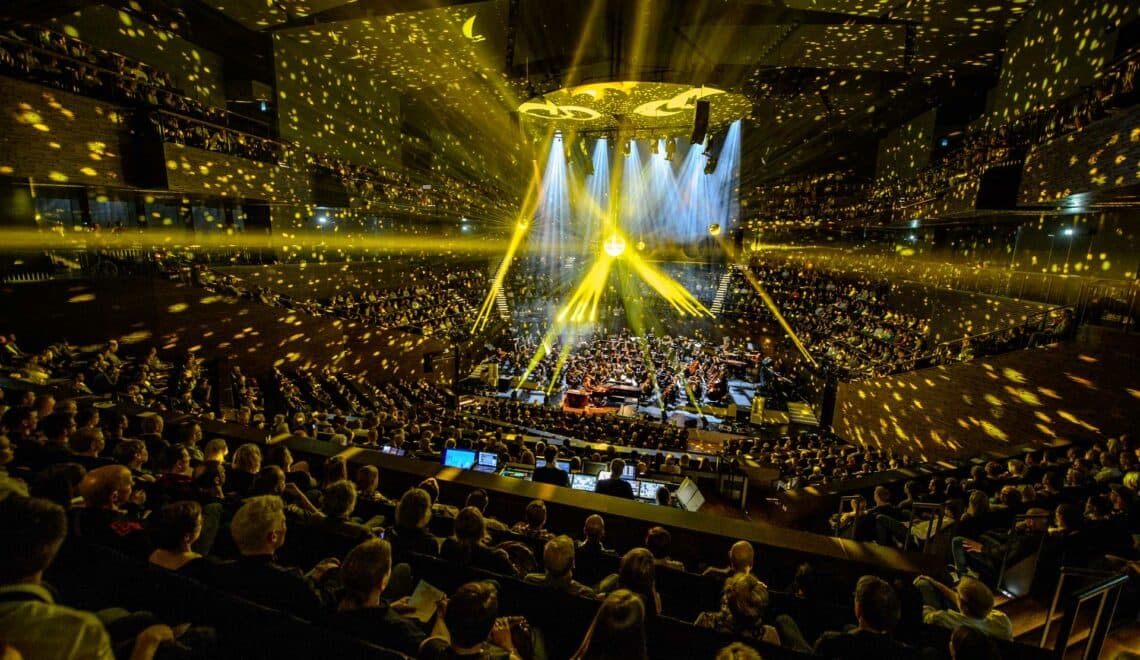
x,y
595,527
107,487
741,556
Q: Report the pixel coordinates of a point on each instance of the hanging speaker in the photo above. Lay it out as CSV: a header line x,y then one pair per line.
x,y
700,123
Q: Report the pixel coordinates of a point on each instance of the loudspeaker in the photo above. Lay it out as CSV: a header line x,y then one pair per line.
x,y
700,123
429,363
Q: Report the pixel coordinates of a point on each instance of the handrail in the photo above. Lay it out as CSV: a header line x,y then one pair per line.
x,y
1108,583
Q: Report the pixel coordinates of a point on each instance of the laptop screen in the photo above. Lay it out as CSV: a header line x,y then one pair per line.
x,y
604,474
459,458
562,465
516,473
630,472
488,459
583,482
648,490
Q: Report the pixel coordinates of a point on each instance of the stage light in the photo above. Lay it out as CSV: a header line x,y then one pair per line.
x,y
626,147
714,229
640,246
670,148
653,147
614,245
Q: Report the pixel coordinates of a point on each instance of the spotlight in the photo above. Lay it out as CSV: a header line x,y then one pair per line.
x,y
640,246
523,224
614,245
653,147
670,148
714,229
626,147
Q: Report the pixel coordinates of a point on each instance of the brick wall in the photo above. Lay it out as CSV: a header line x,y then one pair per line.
x,y
53,136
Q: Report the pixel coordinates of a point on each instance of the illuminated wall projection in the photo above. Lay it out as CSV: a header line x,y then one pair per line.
x,y
192,69
906,150
78,138
996,404
330,109
1057,49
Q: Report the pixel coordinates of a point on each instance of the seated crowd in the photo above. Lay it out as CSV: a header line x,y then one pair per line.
x,y
325,543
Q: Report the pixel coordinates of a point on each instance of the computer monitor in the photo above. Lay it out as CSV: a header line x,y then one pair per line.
x,y
562,465
604,474
394,451
583,482
630,472
540,462
463,459
488,461
648,490
634,485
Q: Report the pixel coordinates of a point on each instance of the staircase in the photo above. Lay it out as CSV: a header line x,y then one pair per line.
x,y
802,414
722,290
501,304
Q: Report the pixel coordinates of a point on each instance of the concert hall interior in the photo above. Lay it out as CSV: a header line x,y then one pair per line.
x,y
593,329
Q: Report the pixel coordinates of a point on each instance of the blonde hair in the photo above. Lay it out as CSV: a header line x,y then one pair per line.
x,y
256,520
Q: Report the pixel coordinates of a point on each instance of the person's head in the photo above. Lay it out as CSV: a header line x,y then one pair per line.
x,y
657,540
335,469
536,514
876,604
662,495
975,599
431,487
174,460
34,529
595,528
738,651
558,556
471,613
57,426
367,479
1068,517
746,598
88,442
151,424
470,526
7,453
967,643
339,499
247,458
478,499
413,511
269,481
216,450
882,495
618,629
551,455
637,573
107,487
210,477
366,570
617,468
258,527
176,526
979,503
131,453
741,557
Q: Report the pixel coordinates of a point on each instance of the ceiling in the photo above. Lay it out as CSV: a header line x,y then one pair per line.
x,y
817,72
820,75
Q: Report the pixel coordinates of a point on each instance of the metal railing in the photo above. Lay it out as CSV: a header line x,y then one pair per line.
x,y
1104,592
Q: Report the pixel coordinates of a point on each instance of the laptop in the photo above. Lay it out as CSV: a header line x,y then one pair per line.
x,y
488,461
562,465
463,459
516,473
648,490
394,451
581,481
